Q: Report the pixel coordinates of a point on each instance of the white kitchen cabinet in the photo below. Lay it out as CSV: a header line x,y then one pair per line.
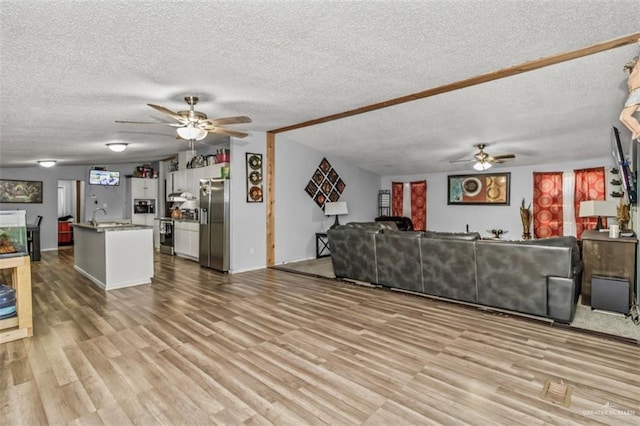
x,y
187,239
178,181
143,188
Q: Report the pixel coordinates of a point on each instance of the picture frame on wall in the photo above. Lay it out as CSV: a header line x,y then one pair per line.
x,y
20,191
254,177
479,189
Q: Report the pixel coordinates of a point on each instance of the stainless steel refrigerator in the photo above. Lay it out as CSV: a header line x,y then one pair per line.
x,y
214,224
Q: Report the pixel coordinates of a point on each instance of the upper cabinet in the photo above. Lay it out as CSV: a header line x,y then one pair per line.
x,y
188,180
143,188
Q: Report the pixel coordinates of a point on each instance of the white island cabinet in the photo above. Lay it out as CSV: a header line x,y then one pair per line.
x,y
114,255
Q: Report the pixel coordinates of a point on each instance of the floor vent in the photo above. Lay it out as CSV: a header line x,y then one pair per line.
x,y
557,392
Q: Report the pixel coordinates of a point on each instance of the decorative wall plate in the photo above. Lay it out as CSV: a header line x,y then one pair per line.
x,y
255,161
255,177
255,193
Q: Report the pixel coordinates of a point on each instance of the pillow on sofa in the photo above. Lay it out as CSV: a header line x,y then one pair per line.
x,y
467,236
403,223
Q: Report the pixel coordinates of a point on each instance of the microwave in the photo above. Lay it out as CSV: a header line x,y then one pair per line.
x,y
144,206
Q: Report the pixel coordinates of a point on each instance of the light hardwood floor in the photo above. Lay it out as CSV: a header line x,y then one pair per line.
x,y
272,347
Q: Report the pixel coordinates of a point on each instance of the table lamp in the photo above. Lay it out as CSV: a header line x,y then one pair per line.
x,y
338,208
598,208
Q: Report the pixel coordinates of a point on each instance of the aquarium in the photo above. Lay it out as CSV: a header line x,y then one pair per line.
x,y
13,233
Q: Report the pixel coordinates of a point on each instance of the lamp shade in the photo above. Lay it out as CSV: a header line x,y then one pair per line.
x,y
192,133
337,208
598,208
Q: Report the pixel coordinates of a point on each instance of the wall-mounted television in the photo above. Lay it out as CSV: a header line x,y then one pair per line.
x,y
623,163
104,177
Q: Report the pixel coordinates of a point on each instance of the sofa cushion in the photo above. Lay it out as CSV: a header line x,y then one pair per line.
x,y
567,241
449,268
372,225
468,236
399,263
514,275
353,252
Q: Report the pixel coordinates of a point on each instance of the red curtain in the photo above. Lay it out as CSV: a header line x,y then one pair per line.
x,y
590,185
547,204
397,189
419,205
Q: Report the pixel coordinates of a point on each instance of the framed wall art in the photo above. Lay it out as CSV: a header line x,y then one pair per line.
x,y
20,191
325,184
254,178
489,189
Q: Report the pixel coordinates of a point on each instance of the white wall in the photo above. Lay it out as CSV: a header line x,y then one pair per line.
x,y
114,197
297,216
455,218
248,224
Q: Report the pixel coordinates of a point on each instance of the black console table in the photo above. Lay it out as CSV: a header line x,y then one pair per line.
x,y
33,241
322,245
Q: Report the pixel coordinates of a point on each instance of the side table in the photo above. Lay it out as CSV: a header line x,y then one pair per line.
x,y
322,245
609,258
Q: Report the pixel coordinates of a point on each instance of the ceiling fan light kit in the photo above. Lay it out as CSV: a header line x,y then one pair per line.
x,y
117,146
191,133
47,163
480,166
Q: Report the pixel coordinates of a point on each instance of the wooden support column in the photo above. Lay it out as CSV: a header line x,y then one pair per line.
x,y
271,220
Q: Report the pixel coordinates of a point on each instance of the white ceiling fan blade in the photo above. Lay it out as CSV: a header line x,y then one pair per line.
x,y
227,120
150,122
228,132
168,112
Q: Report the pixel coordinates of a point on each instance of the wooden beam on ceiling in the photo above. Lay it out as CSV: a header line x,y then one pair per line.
x,y
483,78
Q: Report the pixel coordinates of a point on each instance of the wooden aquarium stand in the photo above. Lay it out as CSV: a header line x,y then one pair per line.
x,y
20,326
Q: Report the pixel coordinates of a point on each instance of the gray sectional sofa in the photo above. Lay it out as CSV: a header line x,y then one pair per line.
x,y
537,277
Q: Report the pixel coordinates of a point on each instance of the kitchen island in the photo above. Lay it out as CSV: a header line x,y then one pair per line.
x,y
114,254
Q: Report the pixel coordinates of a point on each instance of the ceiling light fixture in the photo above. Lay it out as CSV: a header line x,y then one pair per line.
x,y
191,132
482,165
117,146
47,163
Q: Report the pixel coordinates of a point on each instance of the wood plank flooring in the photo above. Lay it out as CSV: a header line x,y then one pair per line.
x,y
272,347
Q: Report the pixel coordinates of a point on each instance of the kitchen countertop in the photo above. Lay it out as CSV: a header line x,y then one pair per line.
x,y
110,226
178,220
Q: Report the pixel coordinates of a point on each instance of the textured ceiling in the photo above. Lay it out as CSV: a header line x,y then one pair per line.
x,y
69,69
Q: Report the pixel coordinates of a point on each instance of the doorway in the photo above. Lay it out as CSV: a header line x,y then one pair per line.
x,y
69,209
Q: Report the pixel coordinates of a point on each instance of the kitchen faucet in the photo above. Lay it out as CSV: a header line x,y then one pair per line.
x,y
93,217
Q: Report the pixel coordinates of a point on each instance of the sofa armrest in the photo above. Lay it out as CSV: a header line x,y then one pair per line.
x,y
562,297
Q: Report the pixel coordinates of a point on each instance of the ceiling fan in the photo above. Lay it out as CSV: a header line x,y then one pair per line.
x,y
484,160
194,125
